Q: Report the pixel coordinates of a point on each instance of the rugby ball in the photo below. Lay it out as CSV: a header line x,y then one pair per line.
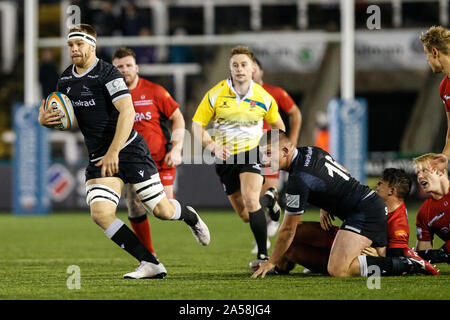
x,y
60,102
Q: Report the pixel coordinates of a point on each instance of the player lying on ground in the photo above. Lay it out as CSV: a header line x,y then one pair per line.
x,y
316,178
433,217
237,106
313,240
117,154
154,108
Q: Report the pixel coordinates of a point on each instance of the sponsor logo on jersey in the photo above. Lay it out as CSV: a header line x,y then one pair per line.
x,y
116,85
308,157
292,200
86,91
141,173
142,116
436,218
145,102
401,233
84,103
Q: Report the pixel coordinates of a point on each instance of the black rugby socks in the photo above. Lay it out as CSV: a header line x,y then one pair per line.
x,y
258,225
119,232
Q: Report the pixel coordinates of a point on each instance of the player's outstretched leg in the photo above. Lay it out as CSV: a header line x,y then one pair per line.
x,y
102,199
151,193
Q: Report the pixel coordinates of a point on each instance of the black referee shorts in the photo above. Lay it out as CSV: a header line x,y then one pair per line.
x,y
229,171
135,163
369,220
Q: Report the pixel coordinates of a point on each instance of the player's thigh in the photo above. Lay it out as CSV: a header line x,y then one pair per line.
x,y
347,246
102,196
238,205
251,184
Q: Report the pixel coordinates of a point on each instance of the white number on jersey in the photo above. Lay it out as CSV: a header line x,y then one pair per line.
x,y
334,167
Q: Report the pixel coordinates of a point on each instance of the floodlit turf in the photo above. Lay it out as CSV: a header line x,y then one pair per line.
x,y
35,253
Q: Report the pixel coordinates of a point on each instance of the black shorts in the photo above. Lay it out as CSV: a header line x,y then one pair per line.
x,y
369,220
229,171
135,163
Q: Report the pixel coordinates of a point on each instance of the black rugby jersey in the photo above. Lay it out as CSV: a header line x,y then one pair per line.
x,y
92,95
316,178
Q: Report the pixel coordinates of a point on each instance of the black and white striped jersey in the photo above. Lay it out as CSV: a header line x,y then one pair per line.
x,y
93,94
316,178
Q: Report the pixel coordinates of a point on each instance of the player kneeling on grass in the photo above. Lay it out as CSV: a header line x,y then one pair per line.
x,y
433,217
313,240
316,178
117,154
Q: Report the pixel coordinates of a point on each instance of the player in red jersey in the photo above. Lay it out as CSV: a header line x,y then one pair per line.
x,y
433,217
154,109
313,240
288,105
436,44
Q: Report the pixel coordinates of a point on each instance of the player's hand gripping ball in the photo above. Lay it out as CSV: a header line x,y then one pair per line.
x,y
60,102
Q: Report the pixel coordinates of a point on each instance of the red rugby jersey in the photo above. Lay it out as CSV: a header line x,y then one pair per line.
x,y
444,92
398,227
434,218
153,106
283,99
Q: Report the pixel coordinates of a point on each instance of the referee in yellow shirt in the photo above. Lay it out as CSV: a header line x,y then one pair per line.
x,y
237,106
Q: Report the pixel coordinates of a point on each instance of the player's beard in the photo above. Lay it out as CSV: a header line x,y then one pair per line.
x,y
83,60
130,80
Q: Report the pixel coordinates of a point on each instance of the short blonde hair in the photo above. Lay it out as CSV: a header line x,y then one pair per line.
x,y
424,159
242,50
438,37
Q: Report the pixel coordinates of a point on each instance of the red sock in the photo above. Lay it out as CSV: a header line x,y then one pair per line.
x,y
141,227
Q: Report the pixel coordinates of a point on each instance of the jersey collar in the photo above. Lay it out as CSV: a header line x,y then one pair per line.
x,y
75,74
248,94
295,155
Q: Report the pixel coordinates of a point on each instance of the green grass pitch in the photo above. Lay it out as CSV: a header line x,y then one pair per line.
x,y
35,253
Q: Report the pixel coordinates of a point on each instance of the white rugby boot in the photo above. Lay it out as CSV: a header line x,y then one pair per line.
x,y
255,264
200,229
147,270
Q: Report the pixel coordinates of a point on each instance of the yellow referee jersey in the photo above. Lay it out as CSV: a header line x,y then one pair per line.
x,y
237,123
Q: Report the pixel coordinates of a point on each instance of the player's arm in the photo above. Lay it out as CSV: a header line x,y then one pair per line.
x,y
202,116
426,251
446,150
284,239
125,121
295,122
278,124
325,220
273,117
173,157
200,133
